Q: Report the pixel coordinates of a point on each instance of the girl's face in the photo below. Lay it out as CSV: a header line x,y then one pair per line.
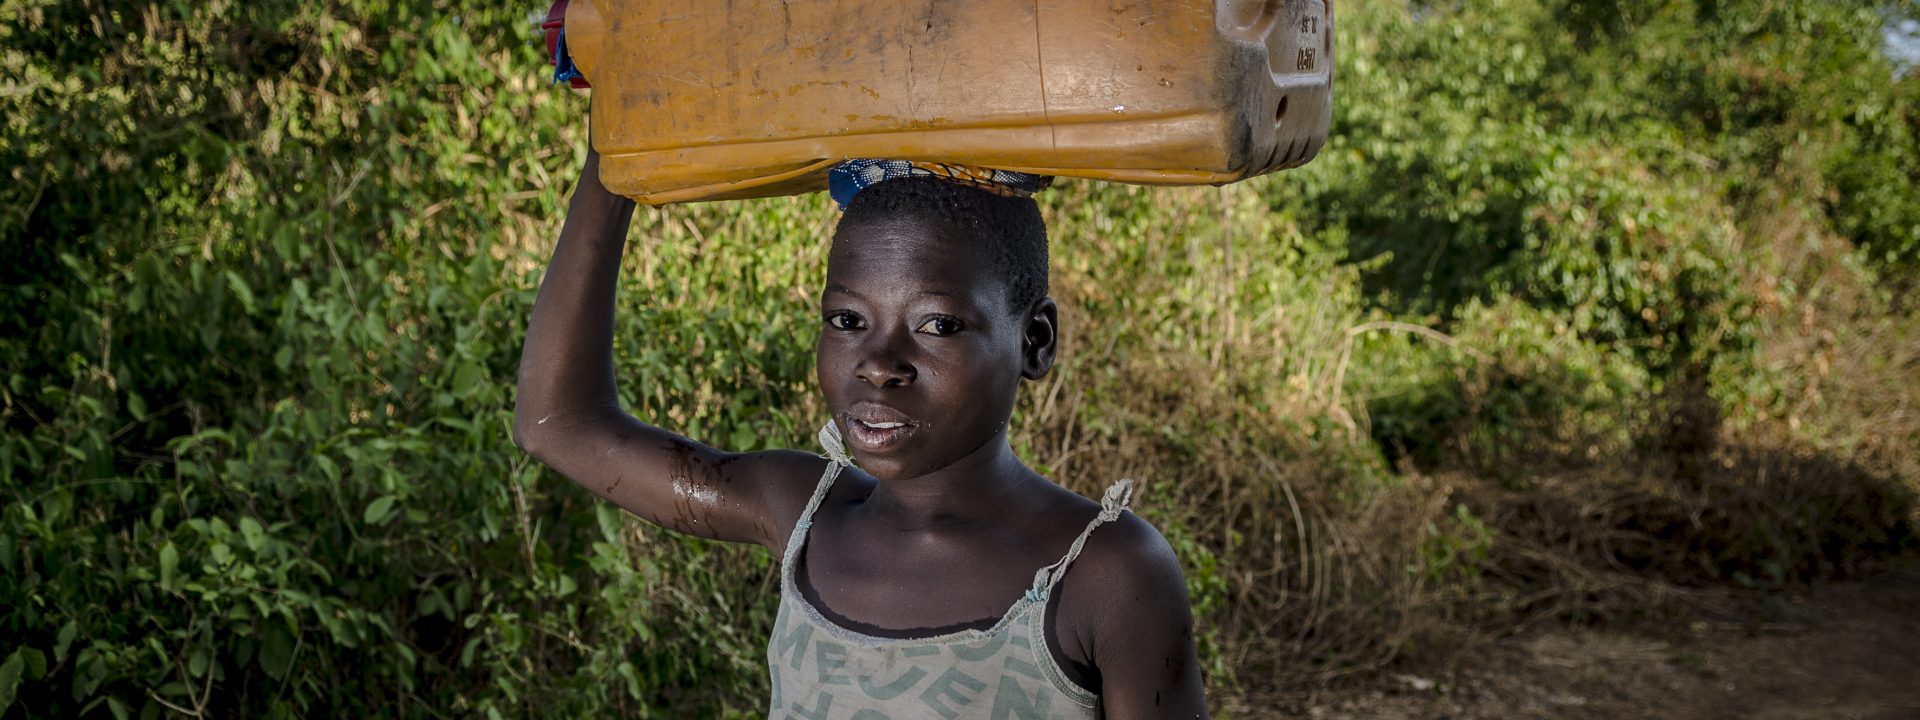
x,y
920,355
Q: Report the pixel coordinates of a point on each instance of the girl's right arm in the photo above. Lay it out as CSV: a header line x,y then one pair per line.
x,y
568,413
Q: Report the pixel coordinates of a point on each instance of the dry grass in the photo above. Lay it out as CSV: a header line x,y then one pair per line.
x,y
1213,375
1223,385
1604,540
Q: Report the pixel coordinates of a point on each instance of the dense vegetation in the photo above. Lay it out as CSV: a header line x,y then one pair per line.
x,y
1584,301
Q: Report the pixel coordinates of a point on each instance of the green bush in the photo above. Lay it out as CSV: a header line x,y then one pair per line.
x,y
1617,164
1539,398
262,327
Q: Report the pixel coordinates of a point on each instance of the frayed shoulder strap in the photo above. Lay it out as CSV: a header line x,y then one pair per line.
x,y
835,447
1113,502
1117,498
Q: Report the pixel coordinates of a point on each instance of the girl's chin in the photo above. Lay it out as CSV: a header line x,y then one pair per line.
x,y
887,468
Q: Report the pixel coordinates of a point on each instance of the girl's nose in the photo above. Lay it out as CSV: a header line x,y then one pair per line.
x,y
885,366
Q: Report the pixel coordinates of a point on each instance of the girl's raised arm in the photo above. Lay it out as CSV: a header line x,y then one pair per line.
x,y
568,413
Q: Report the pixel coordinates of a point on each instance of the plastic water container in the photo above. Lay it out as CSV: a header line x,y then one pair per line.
x,y
704,100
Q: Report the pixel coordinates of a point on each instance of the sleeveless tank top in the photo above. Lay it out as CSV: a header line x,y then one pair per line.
x,y
822,671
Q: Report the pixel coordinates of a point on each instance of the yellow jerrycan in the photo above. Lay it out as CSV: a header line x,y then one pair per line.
x,y
721,99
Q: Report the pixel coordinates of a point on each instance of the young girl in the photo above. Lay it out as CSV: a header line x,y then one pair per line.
x,y
926,571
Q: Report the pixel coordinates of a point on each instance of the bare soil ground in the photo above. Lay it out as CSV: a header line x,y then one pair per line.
x,y
1845,650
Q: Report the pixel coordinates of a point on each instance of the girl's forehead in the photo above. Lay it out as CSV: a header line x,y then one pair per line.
x,y
903,246
910,257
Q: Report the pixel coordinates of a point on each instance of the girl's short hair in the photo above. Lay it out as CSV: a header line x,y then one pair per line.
x,y
1009,229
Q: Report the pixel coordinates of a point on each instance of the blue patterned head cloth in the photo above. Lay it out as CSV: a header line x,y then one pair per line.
x,y
849,178
564,71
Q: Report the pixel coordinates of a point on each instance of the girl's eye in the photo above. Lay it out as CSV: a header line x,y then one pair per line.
x,y
844,320
940,325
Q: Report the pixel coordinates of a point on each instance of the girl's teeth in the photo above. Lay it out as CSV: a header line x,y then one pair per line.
x,y
884,425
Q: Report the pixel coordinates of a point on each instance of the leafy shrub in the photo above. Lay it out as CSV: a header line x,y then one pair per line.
x,y
261,337
1540,397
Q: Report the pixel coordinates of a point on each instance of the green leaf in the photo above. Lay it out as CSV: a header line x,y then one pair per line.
x,y
611,524
465,378
379,510
466,653
36,662
255,535
63,641
10,679
328,467
169,561
240,290
276,650
632,677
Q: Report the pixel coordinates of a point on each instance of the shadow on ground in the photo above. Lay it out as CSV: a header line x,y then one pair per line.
x,y
1845,650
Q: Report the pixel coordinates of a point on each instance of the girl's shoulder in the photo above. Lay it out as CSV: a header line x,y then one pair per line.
x,y
1123,615
1128,553
1123,542
1125,572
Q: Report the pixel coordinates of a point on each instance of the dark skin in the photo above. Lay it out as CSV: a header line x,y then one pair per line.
x,y
941,526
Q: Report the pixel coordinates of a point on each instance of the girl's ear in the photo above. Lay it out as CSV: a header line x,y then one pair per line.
x,y
1040,340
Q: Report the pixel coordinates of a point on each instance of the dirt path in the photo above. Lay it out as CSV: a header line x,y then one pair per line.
x,y
1849,650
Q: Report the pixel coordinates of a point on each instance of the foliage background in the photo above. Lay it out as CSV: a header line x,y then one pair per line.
x,y
1584,304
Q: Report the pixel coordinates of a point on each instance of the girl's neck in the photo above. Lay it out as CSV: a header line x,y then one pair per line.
x,y
973,488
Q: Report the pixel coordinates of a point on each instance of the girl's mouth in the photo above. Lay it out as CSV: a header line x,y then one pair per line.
x,y
875,429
